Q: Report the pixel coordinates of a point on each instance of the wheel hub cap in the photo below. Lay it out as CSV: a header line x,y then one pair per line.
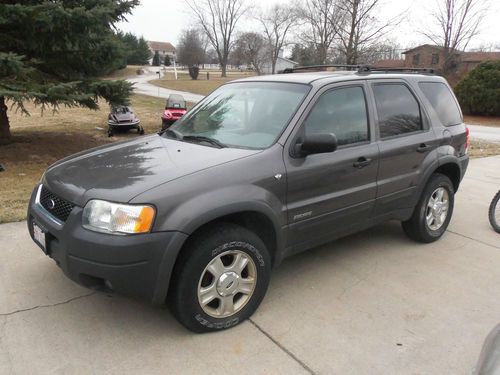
x,y
227,284
437,208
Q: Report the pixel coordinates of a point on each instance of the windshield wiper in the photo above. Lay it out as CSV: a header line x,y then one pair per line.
x,y
175,133
202,138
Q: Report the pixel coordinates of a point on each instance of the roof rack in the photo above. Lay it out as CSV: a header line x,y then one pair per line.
x,y
366,69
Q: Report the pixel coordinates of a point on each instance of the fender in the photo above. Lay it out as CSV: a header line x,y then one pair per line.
x,y
431,168
201,209
189,215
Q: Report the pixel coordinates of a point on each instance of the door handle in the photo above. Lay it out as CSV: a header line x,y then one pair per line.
x,y
362,162
423,148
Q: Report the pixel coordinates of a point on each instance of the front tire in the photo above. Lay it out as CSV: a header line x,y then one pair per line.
x,y
433,211
220,279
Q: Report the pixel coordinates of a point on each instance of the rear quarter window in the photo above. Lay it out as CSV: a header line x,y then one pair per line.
x,y
398,110
443,102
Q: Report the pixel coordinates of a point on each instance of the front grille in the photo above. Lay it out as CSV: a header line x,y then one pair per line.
x,y
55,205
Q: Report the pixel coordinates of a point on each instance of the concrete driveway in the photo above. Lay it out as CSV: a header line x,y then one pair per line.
x,y
372,303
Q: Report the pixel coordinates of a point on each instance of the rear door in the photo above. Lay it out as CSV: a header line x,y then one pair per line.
x,y
329,193
406,142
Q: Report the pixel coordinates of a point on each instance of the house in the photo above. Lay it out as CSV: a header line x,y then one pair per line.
x,y
432,56
163,49
426,56
472,59
388,63
281,64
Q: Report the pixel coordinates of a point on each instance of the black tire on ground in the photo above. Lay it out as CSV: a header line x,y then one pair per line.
x,y
416,227
198,253
110,133
141,131
494,219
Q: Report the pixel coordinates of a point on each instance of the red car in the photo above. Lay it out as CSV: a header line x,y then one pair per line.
x,y
174,110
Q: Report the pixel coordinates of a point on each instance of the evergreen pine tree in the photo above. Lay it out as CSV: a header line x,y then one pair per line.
x,y
156,59
53,51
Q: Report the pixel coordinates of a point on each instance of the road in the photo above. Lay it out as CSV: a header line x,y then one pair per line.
x,y
371,303
142,86
485,133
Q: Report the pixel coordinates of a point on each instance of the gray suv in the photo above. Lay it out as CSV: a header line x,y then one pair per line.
x,y
264,167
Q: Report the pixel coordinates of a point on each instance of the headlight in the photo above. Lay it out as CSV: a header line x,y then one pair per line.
x,y
102,216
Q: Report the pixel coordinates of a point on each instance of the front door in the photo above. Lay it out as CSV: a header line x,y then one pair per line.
x,y
331,192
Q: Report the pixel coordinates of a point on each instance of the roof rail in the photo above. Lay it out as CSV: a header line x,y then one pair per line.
x,y
366,69
402,70
319,68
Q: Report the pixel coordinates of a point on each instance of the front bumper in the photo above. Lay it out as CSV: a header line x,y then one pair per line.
x,y
137,265
130,124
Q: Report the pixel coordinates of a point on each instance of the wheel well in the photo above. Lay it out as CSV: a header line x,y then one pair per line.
x,y
452,171
256,222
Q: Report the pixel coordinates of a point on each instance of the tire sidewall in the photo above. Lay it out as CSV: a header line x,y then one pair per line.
x,y
491,212
190,312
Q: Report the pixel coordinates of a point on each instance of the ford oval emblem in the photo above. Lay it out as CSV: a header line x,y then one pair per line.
x,y
51,203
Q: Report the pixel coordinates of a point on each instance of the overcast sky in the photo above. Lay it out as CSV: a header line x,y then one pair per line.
x,y
163,20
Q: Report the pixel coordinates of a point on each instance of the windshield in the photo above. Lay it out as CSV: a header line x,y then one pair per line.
x,y
246,114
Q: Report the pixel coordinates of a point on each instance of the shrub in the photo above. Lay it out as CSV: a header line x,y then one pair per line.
x,y
479,91
194,71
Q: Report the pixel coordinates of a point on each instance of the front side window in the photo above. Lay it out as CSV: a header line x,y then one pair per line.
x,y
244,114
398,110
441,99
342,112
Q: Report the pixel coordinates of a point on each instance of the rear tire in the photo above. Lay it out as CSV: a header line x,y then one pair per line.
x,y
433,211
494,212
220,278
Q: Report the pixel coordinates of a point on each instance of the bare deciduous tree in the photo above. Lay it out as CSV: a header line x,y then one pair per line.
x,y
360,27
218,19
458,22
320,18
277,23
251,48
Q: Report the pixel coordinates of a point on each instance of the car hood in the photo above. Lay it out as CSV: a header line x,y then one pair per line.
x,y
120,171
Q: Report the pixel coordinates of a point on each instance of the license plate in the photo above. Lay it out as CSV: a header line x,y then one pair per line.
x,y
39,236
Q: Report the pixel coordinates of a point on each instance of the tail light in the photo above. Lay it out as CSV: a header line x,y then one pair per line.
x,y
167,114
467,140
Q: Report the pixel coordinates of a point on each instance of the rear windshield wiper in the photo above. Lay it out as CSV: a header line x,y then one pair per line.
x,y
202,138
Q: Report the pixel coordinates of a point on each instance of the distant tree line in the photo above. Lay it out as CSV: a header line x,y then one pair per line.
x,y
316,31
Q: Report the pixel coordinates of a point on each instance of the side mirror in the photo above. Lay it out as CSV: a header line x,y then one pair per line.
x,y
316,144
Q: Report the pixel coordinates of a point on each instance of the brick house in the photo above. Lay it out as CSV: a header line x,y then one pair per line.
x,y
163,49
470,60
389,63
431,56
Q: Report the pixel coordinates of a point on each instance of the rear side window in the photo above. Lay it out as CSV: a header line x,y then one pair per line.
x,y
441,99
342,112
398,110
